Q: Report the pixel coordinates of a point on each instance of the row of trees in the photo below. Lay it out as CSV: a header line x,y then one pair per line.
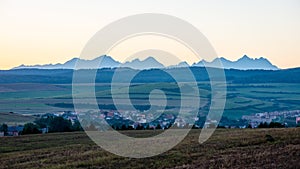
x,y
59,124
92,127
52,124
270,125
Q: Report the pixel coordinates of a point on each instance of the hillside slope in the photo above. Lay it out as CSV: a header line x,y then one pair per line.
x,y
63,76
247,148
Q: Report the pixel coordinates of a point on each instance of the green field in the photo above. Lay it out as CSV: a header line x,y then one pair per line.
x,y
227,148
242,99
14,118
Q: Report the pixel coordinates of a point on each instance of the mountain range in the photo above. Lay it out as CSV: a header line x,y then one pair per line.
x,y
244,63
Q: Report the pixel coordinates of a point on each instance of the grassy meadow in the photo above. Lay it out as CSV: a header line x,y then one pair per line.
x,y
242,99
14,118
227,148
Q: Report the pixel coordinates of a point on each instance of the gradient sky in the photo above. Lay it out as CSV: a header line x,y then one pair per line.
x,y
40,32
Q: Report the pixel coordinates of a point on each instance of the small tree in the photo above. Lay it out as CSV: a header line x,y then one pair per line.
x,y
77,126
30,128
139,127
124,127
4,128
275,125
249,126
59,124
158,127
263,125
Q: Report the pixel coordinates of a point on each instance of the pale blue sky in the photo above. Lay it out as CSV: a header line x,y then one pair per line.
x,y
39,32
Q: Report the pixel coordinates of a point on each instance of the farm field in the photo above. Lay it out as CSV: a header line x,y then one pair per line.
x,y
227,148
14,118
241,99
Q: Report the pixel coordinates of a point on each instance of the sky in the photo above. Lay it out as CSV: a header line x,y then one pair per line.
x,y
41,32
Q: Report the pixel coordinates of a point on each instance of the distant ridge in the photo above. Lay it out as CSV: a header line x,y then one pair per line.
x,y
244,63
106,62
148,63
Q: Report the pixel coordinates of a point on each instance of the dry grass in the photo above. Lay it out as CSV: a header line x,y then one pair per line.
x,y
234,148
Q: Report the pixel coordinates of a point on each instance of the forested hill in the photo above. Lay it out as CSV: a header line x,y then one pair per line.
x,y
64,76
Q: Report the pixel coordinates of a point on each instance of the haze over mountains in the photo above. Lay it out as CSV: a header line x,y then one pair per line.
x,y
244,63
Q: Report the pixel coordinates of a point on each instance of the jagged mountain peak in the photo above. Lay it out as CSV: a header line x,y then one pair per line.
x,y
244,63
246,57
147,63
104,61
180,65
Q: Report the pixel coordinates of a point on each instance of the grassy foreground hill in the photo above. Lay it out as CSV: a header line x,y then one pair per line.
x,y
227,148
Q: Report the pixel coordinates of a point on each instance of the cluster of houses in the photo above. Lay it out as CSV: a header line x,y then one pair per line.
x,y
147,120
68,115
12,131
268,117
135,119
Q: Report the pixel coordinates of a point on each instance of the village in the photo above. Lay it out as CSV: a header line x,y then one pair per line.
x,y
288,118
135,120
